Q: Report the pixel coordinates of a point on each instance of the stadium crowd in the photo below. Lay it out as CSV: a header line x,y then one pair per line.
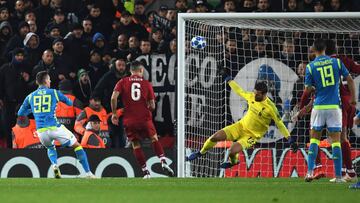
x,y
85,45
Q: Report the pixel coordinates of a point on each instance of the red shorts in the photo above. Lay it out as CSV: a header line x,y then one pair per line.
x,y
348,112
138,131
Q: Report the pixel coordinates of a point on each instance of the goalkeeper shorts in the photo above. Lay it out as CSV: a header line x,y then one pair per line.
x,y
236,132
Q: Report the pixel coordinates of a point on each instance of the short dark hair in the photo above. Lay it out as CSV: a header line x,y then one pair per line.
x,y
261,86
330,47
319,45
40,77
135,65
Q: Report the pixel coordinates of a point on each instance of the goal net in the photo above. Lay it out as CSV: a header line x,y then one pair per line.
x,y
251,47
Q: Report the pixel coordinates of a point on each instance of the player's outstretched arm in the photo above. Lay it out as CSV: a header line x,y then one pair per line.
x,y
279,123
114,117
61,97
239,90
25,108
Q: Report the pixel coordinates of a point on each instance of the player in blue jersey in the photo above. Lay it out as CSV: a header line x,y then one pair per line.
x,y
42,103
323,76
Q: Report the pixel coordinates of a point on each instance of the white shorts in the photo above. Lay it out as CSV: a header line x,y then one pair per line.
x,y
60,134
329,118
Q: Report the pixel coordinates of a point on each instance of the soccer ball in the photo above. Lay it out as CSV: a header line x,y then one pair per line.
x,y
198,42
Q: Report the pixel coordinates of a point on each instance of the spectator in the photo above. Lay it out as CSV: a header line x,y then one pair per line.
x,y
19,13
145,47
163,11
17,40
91,139
181,5
139,14
30,15
129,28
32,26
263,6
5,35
247,6
201,6
158,44
229,6
31,47
172,47
4,14
106,84
47,64
96,68
59,21
104,90
14,87
94,108
334,6
62,60
134,50
44,14
65,114
88,30
24,134
121,50
77,47
291,6
318,6
98,41
99,23
54,33
288,55
83,87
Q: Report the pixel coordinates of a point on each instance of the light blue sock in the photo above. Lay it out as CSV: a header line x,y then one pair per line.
x,y
313,150
52,154
82,157
337,157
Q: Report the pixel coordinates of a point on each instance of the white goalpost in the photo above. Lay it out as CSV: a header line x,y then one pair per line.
x,y
250,47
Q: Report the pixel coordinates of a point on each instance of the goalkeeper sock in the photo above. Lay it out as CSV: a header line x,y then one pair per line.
x,y
52,154
234,159
313,151
140,157
337,157
158,149
207,145
82,157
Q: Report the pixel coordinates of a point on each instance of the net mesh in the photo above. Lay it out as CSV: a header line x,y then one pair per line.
x,y
274,50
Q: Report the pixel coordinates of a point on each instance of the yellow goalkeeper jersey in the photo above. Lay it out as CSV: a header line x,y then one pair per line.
x,y
259,114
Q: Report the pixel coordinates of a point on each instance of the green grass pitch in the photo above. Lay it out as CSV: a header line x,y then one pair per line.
x,y
171,190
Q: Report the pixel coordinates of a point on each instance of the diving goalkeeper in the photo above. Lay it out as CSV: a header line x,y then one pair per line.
x,y
250,129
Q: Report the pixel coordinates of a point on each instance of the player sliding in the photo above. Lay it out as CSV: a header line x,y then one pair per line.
x,y
323,76
42,103
139,100
250,129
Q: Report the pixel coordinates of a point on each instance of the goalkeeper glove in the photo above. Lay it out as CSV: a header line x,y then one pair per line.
x,y
226,77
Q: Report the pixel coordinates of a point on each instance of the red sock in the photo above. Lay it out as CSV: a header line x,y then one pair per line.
x,y
346,155
140,157
158,149
318,157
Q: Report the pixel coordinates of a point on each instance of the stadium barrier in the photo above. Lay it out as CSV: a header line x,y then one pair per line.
x,y
103,163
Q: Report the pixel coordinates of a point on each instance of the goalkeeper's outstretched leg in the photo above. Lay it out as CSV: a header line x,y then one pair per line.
x,y
209,143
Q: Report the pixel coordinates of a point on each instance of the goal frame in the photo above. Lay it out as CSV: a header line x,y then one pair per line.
x,y
182,17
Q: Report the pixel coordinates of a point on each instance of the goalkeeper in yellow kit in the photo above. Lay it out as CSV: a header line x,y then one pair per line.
x,y
250,129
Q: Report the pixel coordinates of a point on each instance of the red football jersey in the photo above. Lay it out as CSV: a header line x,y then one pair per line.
x,y
135,92
352,67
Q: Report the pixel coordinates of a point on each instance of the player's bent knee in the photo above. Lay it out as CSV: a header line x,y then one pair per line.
x,y
135,144
235,148
154,138
218,136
